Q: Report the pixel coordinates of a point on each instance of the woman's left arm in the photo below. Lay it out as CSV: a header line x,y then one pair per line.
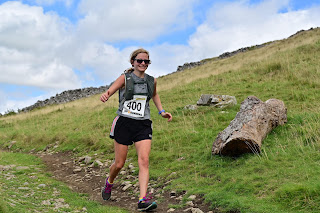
x,y
157,102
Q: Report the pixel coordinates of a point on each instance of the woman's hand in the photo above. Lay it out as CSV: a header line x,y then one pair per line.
x,y
113,88
105,96
167,115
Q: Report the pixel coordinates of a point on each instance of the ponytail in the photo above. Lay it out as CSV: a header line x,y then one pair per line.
x,y
131,69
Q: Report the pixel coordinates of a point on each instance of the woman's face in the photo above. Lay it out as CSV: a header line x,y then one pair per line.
x,y
141,66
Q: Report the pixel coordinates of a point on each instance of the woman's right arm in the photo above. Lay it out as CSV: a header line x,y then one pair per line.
x,y
119,83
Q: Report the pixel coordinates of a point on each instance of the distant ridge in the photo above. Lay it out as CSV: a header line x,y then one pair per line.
x,y
72,95
67,96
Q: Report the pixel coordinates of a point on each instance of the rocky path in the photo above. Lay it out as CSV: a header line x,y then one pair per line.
x,y
86,176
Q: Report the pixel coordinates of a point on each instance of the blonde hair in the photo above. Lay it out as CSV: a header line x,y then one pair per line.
x,y
134,55
136,52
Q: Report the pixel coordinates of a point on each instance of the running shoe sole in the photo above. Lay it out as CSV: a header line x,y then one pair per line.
x,y
149,208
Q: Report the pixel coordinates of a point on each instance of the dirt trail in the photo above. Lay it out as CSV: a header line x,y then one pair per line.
x,y
91,180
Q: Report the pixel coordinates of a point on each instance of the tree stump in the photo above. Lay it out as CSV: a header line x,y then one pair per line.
x,y
251,125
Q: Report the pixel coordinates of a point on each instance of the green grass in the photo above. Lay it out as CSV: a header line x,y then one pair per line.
x,y
282,178
31,189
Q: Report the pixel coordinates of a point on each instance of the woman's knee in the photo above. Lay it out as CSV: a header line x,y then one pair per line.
x,y
119,165
143,162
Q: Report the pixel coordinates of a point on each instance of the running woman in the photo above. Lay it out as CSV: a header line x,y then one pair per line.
x,y
132,125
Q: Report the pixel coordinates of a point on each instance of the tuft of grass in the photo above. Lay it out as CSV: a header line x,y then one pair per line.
x,y
3,205
299,196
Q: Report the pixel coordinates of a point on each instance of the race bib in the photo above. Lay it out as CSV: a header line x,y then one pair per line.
x,y
135,107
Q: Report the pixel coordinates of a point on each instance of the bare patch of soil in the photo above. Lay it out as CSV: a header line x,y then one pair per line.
x,y
91,179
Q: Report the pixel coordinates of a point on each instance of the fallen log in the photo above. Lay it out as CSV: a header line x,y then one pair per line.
x,y
249,128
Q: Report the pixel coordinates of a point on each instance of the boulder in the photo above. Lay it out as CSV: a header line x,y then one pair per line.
x,y
219,101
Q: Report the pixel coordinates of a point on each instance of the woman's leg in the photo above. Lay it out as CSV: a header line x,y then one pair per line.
x,y
120,159
143,150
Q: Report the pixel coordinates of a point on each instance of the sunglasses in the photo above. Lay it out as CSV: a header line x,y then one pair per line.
x,y
146,61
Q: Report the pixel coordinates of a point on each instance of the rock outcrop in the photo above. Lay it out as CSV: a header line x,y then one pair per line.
x,y
67,96
218,101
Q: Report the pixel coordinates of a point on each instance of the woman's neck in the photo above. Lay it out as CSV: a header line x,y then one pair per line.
x,y
139,73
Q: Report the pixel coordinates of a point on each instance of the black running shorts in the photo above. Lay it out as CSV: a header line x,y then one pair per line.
x,y
127,131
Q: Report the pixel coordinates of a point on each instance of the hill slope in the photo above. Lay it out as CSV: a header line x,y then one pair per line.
x,y
283,178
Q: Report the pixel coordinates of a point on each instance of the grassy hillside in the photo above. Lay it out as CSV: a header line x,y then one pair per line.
x,y
283,178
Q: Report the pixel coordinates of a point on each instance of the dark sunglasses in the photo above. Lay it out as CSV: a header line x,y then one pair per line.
x,y
146,61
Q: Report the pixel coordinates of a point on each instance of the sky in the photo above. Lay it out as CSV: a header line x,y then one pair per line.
x,y
49,46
